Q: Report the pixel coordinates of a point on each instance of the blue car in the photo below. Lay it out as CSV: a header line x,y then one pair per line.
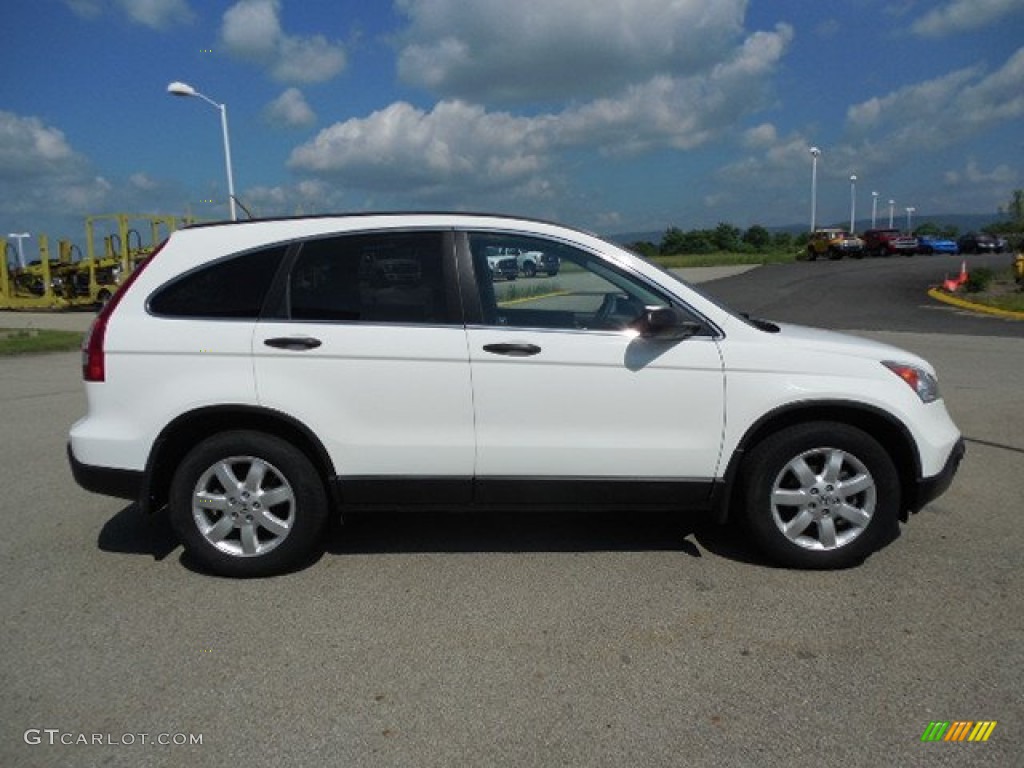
x,y
933,244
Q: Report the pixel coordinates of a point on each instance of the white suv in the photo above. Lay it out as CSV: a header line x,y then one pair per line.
x,y
255,378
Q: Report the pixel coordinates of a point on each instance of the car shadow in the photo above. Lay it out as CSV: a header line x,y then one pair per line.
x,y
534,531
134,533
403,531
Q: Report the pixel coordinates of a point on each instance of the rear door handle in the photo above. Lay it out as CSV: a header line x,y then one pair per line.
x,y
512,350
297,343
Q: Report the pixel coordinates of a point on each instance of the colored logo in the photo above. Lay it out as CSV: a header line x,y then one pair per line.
x,y
959,730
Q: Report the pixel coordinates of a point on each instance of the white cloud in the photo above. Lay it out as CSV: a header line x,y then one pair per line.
x,y
28,147
43,180
290,110
938,112
251,30
465,147
1002,175
402,145
958,16
156,14
143,182
304,198
763,135
535,50
87,9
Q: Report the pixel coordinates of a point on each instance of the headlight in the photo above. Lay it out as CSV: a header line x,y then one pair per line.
x,y
918,379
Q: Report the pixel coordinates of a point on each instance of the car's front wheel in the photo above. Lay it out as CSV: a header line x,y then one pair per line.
x,y
247,503
820,495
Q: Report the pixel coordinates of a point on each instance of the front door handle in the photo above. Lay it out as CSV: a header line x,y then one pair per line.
x,y
297,343
512,350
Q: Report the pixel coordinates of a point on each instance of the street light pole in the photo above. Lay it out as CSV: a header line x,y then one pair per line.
x,y
874,208
815,154
892,206
19,236
182,89
853,201
910,212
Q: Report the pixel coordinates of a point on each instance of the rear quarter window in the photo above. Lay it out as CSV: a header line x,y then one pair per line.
x,y
231,288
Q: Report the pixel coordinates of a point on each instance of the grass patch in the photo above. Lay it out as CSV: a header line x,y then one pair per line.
x,y
22,341
1014,302
995,289
512,293
679,261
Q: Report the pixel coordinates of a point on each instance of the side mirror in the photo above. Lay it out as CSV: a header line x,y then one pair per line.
x,y
666,323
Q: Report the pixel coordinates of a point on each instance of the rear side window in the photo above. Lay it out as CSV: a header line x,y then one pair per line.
x,y
377,278
233,288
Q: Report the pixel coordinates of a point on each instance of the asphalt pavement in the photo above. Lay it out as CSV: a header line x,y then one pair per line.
x,y
540,640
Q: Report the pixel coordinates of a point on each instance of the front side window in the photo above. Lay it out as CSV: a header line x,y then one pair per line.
x,y
586,294
378,278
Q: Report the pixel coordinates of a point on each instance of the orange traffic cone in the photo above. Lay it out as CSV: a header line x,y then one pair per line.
x,y
950,285
963,273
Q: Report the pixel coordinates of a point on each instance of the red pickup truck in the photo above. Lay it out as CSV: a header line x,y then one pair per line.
x,y
889,242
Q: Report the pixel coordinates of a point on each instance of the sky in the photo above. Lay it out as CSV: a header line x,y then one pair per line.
x,y
610,115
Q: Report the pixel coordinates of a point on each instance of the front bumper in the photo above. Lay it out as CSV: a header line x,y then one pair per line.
x,y
928,489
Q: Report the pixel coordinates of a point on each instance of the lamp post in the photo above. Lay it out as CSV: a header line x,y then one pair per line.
x,y
19,236
853,201
910,212
874,208
182,89
892,206
815,154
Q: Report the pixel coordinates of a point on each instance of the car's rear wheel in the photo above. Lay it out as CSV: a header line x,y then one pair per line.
x,y
820,495
248,504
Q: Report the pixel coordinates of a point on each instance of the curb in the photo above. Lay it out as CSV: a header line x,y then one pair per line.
x,y
939,295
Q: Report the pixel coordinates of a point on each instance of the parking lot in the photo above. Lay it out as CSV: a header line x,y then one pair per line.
x,y
577,640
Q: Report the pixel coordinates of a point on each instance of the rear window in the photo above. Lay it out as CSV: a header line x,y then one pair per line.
x,y
231,288
373,278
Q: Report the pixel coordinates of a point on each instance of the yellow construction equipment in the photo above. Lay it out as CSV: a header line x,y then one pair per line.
x,y
73,281
33,286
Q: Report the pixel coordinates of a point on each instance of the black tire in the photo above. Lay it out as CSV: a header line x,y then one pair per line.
x,y
827,527
552,273
811,254
281,520
530,269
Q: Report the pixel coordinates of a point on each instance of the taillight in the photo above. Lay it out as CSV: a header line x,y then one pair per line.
x,y
93,358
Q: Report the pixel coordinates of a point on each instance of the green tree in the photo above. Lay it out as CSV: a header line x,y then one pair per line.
x,y
758,238
645,248
726,237
782,241
1015,209
672,241
698,241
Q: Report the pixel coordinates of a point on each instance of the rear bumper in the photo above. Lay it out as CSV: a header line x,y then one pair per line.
x,y
121,483
930,488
